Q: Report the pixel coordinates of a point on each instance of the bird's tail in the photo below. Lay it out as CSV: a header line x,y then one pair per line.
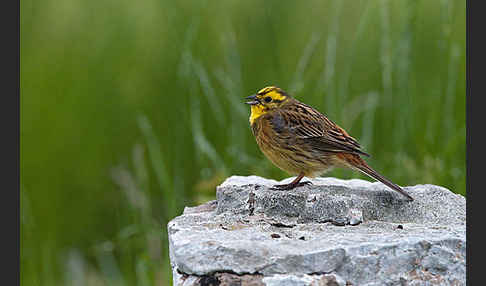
x,y
356,162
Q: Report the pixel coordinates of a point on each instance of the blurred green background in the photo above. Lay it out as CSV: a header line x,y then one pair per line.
x,y
131,110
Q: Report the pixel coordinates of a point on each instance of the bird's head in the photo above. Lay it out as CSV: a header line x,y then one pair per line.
x,y
265,100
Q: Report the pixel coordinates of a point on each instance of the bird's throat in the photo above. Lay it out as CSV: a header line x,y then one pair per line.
x,y
256,111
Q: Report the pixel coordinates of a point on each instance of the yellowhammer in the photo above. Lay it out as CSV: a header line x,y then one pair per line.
x,y
303,142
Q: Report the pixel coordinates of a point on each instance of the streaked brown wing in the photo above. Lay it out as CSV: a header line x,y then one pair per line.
x,y
303,122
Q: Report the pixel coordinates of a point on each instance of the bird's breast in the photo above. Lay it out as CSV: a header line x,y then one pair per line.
x,y
284,150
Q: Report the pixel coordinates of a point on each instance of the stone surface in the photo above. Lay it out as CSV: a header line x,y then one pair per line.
x,y
333,232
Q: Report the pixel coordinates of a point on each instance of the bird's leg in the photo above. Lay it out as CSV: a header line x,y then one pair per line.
x,y
295,183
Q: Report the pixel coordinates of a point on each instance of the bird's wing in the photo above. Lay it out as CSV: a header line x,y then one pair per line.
x,y
302,122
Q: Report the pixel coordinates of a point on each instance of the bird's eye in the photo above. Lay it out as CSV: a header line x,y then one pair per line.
x,y
267,99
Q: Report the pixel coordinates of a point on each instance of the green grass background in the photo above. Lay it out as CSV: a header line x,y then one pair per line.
x,y
131,110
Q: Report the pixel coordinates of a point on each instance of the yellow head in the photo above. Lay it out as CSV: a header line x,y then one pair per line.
x,y
265,100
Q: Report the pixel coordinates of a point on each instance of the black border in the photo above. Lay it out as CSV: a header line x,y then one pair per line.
x,y
10,118
469,156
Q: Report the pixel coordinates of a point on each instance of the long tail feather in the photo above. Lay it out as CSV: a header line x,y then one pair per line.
x,y
358,163
375,175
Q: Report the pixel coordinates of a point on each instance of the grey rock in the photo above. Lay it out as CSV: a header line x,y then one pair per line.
x,y
304,280
332,232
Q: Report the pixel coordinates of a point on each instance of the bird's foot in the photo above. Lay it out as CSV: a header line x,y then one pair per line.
x,y
286,187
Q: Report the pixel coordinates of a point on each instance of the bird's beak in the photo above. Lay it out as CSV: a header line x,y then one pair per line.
x,y
253,100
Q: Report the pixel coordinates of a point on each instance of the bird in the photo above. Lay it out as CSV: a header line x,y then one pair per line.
x,y
303,142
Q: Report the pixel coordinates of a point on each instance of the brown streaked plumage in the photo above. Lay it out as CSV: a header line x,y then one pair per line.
x,y
303,142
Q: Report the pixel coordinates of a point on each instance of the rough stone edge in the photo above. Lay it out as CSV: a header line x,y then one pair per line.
x,y
418,275
230,279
